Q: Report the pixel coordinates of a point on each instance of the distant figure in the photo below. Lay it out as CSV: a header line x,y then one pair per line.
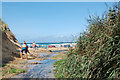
x,y
24,48
47,48
34,45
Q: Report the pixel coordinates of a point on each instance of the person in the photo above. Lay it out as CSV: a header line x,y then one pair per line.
x,y
24,48
47,48
34,45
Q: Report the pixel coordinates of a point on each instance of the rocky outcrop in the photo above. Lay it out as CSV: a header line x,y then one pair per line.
x,y
9,34
10,45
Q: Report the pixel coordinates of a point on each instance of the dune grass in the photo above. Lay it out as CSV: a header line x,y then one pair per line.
x,y
97,54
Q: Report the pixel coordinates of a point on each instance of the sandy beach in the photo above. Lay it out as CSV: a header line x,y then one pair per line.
x,y
47,50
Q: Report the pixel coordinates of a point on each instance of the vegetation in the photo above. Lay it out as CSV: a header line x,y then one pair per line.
x,y
97,54
11,70
3,25
59,56
1,21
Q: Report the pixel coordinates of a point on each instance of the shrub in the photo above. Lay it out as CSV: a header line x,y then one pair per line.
x,y
98,51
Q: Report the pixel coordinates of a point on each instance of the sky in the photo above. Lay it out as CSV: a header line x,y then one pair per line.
x,y
49,21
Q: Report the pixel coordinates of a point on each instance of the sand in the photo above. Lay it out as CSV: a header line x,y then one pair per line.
x,y
52,49
19,63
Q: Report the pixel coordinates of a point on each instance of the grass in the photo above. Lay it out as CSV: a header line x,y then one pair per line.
x,y
4,65
58,68
12,70
58,62
15,70
0,69
59,56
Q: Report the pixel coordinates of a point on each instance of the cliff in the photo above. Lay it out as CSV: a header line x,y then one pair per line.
x,y
10,45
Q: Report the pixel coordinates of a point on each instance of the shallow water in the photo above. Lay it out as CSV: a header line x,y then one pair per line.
x,y
44,55
44,70
60,51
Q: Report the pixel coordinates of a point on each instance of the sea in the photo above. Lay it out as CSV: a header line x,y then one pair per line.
x,y
57,44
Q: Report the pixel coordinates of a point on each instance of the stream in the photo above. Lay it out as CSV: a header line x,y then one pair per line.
x,y
42,70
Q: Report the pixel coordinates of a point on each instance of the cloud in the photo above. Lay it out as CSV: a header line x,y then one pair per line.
x,y
42,39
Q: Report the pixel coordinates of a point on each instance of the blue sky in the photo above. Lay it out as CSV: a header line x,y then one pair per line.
x,y
49,21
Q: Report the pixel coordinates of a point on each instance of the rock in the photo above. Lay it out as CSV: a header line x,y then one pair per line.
x,y
34,63
10,44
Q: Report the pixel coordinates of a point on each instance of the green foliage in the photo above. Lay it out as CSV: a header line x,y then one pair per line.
x,y
59,56
1,21
57,62
98,51
59,67
13,70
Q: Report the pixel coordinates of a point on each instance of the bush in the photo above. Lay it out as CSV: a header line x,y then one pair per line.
x,y
98,51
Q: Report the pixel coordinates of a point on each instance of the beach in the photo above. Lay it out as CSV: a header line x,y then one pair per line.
x,y
60,39
49,49
35,56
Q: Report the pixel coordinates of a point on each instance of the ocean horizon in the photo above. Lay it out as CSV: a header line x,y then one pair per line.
x,y
50,43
